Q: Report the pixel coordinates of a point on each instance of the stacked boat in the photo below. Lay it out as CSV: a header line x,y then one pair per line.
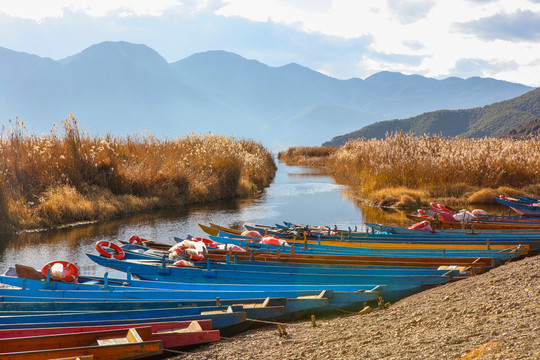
x,y
193,289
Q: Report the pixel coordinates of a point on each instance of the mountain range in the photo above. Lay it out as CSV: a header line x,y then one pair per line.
x,y
517,117
122,88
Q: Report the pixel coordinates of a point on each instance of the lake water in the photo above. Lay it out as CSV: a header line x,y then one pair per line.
x,y
297,194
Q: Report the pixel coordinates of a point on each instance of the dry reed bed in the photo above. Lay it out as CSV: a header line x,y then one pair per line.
x,y
309,156
406,170
54,179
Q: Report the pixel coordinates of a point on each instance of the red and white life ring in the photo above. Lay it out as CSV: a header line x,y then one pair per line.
x,y
252,233
272,240
183,263
479,212
101,245
68,271
207,242
136,239
192,254
422,225
236,248
441,207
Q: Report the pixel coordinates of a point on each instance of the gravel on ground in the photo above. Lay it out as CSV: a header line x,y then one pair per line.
x,y
495,315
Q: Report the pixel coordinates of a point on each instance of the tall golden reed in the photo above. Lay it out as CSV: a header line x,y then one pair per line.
x,y
305,155
54,179
438,166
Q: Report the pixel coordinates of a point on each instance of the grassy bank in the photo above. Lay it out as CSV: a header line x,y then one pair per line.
x,y
54,179
404,170
307,156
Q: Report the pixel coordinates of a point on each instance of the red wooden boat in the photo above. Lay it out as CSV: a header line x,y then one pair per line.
x,y
102,345
173,334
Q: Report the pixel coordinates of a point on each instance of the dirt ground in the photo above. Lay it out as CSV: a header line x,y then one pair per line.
x,y
495,315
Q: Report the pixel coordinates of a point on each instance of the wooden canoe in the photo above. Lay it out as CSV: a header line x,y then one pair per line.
x,y
480,225
15,333
477,263
226,229
173,334
102,345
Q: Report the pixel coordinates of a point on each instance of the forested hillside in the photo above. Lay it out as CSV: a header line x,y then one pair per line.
x,y
492,120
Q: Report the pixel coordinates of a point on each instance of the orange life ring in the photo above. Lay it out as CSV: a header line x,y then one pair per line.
x,y
101,245
71,271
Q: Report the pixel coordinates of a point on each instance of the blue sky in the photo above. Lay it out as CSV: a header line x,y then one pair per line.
x,y
341,38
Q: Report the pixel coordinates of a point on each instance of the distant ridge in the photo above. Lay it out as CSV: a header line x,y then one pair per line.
x,y
491,120
532,128
121,88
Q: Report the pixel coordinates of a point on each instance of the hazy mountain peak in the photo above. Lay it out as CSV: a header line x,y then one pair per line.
x,y
219,59
392,76
16,66
118,53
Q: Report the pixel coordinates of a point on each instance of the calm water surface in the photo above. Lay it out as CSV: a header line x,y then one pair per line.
x,y
297,194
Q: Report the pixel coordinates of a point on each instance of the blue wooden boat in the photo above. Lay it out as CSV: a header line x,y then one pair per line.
x,y
523,205
343,270
162,290
33,305
156,271
268,313
220,320
292,308
447,234
337,296
500,253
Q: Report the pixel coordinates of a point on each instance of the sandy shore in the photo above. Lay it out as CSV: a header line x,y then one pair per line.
x,y
495,315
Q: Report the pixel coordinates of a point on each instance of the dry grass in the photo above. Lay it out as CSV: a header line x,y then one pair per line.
x,y
309,156
441,167
54,179
399,197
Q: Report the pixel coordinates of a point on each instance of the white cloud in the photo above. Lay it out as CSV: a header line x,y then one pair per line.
x,y
411,36
39,9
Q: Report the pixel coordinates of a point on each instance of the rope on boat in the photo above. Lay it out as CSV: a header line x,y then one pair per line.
x,y
176,351
274,323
